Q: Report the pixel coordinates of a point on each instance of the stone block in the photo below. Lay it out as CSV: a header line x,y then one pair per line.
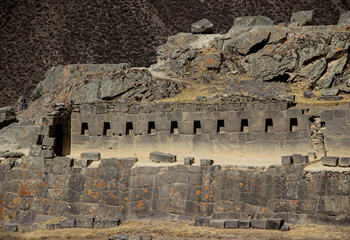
x,y
84,223
119,237
344,162
208,126
274,224
232,223
174,116
162,125
35,151
287,160
67,223
330,161
326,115
330,98
188,160
312,155
162,157
259,223
232,125
83,163
48,154
10,227
107,223
186,127
282,106
14,154
244,224
48,141
190,108
52,226
297,158
203,26
217,223
94,156
201,221
285,227
96,129
206,162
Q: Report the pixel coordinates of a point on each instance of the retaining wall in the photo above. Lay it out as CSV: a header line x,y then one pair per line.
x,y
117,189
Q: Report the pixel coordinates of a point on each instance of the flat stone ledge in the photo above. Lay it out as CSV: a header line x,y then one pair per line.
x,y
94,156
159,157
330,161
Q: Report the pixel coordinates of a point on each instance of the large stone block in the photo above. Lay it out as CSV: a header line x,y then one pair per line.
x,y
203,26
330,161
163,125
217,223
162,157
201,221
84,223
256,125
10,227
206,162
140,127
188,160
344,162
244,224
274,224
232,223
96,129
49,141
107,223
232,125
186,127
287,160
259,223
48,154
95,156
201,144
208,126
52,226
67,223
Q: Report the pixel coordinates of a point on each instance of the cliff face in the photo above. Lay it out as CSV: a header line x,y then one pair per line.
x,y
36,36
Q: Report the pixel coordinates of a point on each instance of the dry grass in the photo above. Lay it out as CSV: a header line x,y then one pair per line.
x,y
181,230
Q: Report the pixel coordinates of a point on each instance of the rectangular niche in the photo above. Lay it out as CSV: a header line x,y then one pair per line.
x,y
197,127
174,128
244,125
151,128
268,125
293,124
129,128
106,129
84,128
220,126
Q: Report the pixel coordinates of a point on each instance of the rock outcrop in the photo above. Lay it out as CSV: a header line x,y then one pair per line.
x,y
311,56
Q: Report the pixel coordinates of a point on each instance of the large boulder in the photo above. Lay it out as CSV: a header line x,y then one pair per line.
x,y
202,26
344,18
303,18
7,116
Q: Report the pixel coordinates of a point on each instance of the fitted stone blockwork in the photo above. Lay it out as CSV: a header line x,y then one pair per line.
x,y
330,161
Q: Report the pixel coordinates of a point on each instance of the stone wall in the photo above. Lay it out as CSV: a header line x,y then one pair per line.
x,y
36,187
220,130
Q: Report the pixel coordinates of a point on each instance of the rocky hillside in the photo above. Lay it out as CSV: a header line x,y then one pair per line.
x,y
36,35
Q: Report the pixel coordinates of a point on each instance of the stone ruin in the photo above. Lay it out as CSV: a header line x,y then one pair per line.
x,y
85,110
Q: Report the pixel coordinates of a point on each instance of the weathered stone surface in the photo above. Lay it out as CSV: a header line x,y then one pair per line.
x,y
10,227
330,161
84,223
287,160
52,226
212,60
188,160
7,116
259,223
330,92
49,141
344,162
95,156
202,26
304,18
107,223
14,154
217,223
119,237
162,157
201,221
48,154
344,18
285,227
274,224
251,21
244,224
67,223
206,162
330,98
232,223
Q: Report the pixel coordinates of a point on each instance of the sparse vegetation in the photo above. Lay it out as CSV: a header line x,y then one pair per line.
x,y
36,94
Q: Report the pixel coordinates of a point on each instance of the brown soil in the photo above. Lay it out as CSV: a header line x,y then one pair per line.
x,y
35,35
177,230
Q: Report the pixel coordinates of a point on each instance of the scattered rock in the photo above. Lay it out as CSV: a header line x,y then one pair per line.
x,y
309,94
202,26
344,18
14,154
7,116
304,18
213,60
330,92
22,104
285,227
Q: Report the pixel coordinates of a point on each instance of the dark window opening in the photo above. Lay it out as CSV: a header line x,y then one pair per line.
x,y
174,127
59,140
293,124
84,128
151,128
197,127
129,128
244,125
106,127
268,125
220,126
